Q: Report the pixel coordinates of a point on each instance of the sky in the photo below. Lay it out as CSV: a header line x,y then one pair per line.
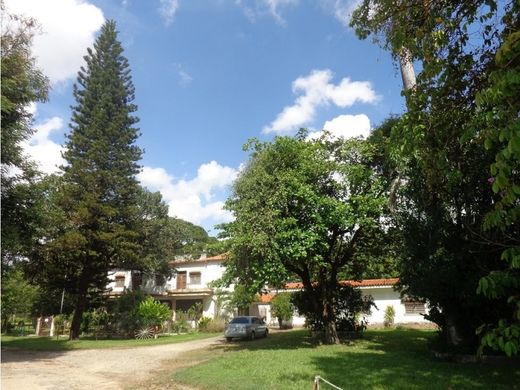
x,y
209,75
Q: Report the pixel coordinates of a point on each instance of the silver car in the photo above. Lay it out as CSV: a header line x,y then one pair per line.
x,y
246,327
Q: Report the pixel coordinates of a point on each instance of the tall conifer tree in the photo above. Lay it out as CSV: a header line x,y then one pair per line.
x,y
100,192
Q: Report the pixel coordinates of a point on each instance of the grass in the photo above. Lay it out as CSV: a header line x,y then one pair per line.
x,y
63,344
383,359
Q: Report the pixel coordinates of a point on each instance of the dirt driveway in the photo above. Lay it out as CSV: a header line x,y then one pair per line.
x,y
89,369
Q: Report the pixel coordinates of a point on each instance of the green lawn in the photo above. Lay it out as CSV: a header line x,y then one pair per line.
x,y
396,359
52,344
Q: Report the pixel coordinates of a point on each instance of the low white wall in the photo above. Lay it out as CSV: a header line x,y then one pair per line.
x,y
383,296
386,296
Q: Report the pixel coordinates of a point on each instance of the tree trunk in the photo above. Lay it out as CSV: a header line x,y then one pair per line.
x,y
81,302
407,70
452,333
329,321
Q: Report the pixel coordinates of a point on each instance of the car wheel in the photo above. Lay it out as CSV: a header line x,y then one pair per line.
x,y
228,339
252,337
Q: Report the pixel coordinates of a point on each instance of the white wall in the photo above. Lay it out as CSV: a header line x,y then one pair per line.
x,y
112,278
386,296
383,296
209,272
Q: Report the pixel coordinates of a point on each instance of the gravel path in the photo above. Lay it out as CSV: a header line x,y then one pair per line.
x,y
101,369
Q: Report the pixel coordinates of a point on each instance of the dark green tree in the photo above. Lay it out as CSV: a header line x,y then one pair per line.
x,y
191,241
22,84
100,192
445,193
498,116
302,208
156,237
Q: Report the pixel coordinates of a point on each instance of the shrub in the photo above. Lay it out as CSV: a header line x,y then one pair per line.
x,y
203,323
180,325
61,324
153,313
389,316
282,308
349,304
125,312
213,325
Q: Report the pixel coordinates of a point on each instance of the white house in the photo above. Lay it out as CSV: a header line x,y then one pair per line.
x,y
191,285
382,291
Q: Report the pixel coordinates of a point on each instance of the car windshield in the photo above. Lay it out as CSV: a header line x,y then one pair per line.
x,y
240,320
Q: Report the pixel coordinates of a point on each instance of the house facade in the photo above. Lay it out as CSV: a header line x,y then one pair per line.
x,y
382,291
188,286
191,284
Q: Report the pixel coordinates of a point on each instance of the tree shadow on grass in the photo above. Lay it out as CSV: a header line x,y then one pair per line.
x,y
401,360
295,339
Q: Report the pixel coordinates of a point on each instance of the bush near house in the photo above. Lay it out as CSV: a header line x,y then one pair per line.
x,y
282,308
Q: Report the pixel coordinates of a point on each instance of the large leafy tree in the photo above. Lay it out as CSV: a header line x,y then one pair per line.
x,y
190,240
22,84
302,208
499,121
446,193
99,197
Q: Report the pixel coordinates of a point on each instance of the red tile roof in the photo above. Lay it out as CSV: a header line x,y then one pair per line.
x,y
354,283
267,298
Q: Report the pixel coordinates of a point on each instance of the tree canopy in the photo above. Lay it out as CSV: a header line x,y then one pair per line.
x,y
302,209
460,122
99,196
23,84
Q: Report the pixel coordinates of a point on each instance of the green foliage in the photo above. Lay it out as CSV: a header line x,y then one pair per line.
x,y
96,321
18,295
241,298
440,151
350,303
389,316
211,325
203,323
99,197
125,312
191,241
282,307
152,312
194,313
22,84
302,210
181,324
157,240
498,106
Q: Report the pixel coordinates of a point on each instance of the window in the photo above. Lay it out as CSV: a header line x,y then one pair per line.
x,y
120,281
414,307
181,280
194,277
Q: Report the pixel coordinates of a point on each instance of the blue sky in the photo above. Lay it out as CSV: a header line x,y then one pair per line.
x,y
209,75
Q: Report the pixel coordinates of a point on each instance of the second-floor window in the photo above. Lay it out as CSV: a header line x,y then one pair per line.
x,y
195,278
120,281
181,279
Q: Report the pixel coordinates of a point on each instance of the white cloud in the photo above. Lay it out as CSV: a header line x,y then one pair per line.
x,y
265,7
316,90
68,28
41,149
345,126
168,9
342,9
193,200
184,77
